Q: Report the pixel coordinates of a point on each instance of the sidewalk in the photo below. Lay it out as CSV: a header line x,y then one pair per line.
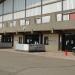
x,y
59,55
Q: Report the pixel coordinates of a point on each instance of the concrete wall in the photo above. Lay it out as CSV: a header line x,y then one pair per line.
x,y
16,39
53,43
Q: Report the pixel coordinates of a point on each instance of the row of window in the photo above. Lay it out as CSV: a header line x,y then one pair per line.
x,y
9,5
19,5
68,16
45,19
44,40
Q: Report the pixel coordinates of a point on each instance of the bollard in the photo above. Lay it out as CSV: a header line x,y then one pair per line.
x,y
66,53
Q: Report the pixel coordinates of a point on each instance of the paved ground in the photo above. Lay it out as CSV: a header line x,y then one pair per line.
x,y
12,63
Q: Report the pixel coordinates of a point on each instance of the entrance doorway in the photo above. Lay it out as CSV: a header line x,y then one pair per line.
x,y
33,39
68,42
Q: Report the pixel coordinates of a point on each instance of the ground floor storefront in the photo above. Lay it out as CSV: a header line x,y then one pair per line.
x,y
37,41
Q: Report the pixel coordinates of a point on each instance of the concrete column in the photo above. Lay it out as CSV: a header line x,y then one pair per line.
x,y
53,43
16,40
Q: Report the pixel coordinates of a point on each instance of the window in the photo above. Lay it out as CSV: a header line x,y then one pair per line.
x,y
8,5
1,6
48,1
7,17
45,19
38,20
72,16
22,22
20,14
20,40
27,22
52,8
68,4
46,40
19,5
33,12
59,17
66,17
31,3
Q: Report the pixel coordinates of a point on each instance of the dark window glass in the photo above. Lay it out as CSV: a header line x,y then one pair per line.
x,y
46,40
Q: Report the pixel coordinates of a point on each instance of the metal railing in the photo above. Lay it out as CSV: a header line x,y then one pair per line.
x,y
36,47
5,45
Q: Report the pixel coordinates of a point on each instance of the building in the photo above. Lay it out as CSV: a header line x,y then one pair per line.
x,y
48,23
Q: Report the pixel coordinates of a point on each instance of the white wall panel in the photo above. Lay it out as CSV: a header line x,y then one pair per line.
x,y
7,17
33,12
19,5
20,14
8,5
1,9
52,8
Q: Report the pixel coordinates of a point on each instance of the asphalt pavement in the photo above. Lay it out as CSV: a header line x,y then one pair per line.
x,y
12,63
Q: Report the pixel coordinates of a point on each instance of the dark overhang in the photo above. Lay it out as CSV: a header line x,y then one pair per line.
x,y
2,1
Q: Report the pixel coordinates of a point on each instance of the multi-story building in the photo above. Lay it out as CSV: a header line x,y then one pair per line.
x,y
49,23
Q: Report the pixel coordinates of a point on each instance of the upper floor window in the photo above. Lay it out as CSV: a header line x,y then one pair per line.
x,y
48,1
33,12
20,14
22,22
27,22
72,16
68,4
38,20
19,5
52,8
32,3
1,5
45,19
8,5
7,17
59,17
66,17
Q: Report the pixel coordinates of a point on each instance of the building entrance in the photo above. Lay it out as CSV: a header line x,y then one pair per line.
x,y
33,39
68,42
